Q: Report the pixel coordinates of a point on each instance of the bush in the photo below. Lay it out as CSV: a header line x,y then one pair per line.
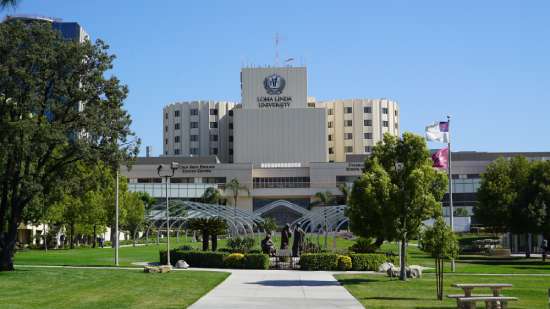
x,y
363,245
241,245
319,261
234,260
370,261
186,248
256,261
344,262
311,247
195,258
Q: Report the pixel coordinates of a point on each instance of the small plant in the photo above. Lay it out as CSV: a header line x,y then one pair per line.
x,y
344,262
241,245
186,248
311,247
234,260
363,245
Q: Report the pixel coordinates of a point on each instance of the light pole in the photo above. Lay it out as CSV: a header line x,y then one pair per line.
x,y
116,220
173,167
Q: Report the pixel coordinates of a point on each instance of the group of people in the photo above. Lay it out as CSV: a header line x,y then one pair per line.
x,y
268,247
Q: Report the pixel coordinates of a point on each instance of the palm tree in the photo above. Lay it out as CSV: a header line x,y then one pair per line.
x,y
6,3
325,199
345,190
234,186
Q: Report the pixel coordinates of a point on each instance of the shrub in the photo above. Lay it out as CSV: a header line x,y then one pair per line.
x,y
319,261
186,248
256,261
241,245
234,260
369,261
344,262
195,258
363,245
311,247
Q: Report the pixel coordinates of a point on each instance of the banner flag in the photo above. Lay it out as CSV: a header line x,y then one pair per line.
x,y
438,132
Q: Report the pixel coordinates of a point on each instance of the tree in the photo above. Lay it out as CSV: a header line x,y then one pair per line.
x,y
57,107
396,192
346,192
324,198
511,197
8,3
269,225
234,187
440,241
147,199
213,226
212,196
135,214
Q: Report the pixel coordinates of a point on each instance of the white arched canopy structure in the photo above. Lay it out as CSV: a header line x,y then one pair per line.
x,y
240,222
333,217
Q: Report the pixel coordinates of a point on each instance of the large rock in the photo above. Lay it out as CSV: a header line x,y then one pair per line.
x,y
383,268
182,264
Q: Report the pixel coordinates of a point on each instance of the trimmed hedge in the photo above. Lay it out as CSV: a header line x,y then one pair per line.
x,y
319,261
369,261
234,260
215,259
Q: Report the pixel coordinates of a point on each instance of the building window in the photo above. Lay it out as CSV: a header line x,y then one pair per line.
x,y
348,110
280,182
330,124
182,180
213,125
165,128
330,137
330,111
176,113
194,112
368,149
176,126
367,123
230,138
348,149
385,110
348,123
348,136
214,180
214,138
368,135
194,138
176,151
396,126
385,124
166,141
367,110
176,139
194,124
395,113
330,151
231,126
166,153
230,151
230,113
213,112
194,151
165,115
214,151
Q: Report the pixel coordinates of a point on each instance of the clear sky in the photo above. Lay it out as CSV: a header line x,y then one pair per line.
x,y
486,63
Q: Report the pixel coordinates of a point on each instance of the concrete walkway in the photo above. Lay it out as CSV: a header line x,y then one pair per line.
x,y
278,289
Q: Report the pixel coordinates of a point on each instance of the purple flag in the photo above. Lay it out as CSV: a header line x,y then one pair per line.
x,y
440,158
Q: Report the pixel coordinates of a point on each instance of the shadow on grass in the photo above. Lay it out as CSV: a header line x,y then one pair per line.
x,y
390,298
284,283
356,281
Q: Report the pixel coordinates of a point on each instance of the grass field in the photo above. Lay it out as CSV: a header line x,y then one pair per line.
x,y
376,291
28,288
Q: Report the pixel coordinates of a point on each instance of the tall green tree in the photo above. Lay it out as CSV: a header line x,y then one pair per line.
x,y
440,241
234,187
396,192
212,195
57,107
135,214
346,192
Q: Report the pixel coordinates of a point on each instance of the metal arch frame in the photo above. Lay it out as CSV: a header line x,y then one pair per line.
x,y
335,217
240,222
281,203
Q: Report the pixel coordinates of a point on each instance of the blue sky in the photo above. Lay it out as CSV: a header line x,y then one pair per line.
x,y
486,63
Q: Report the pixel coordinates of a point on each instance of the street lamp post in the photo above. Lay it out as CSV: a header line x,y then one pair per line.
x,y
173,167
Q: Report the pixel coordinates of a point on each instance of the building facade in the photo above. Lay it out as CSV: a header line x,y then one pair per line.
x,y
277,122
70,31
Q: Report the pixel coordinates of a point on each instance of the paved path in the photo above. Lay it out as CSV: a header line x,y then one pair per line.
x,y
278,289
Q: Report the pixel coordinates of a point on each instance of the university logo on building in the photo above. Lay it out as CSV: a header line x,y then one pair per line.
x,y
274,84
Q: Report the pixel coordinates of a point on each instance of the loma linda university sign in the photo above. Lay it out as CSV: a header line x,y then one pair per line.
x,y
274,85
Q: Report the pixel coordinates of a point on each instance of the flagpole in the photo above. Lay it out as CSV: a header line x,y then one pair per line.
x,y
453,266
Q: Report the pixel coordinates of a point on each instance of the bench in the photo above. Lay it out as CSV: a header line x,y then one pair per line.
x,y
491,302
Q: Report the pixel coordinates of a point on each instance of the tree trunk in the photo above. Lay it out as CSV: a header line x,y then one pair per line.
x,y
214,242
95,237
528,246
71,236
134,238
403,271
205,240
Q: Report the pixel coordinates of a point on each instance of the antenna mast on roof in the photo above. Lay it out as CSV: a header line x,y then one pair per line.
x,y
277,38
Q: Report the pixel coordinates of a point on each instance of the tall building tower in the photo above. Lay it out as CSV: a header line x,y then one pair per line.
x,y
68,30
199,128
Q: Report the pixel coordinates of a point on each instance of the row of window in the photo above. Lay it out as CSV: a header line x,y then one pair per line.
x,y
195,151
195,138
349,149
366,110
366,123
195,125
184,180
195,112
280,182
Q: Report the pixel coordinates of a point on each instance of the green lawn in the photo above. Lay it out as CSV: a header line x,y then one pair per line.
x,y
377,291
28,288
